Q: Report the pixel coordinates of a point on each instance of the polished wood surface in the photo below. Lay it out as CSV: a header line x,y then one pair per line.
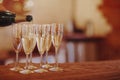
x,y
104,70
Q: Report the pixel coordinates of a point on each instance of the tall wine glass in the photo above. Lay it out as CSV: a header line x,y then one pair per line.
x,y
41,37
31,66
47,44
17,45
28,41
57,34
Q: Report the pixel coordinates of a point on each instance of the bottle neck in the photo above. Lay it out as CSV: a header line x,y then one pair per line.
x,y
23,18
8,18
20,18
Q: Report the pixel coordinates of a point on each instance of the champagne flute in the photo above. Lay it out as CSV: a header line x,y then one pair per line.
x,y
41,36
31,66
47,44
28,41
16,40
57,34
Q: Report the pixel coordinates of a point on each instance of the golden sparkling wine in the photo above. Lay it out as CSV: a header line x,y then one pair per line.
x,y
17,44
56,39
44,35
41,44
48,42
28,43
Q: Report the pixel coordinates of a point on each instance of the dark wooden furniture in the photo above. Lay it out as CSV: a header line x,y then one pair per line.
x,y
81,37
104,70
84,47
110,47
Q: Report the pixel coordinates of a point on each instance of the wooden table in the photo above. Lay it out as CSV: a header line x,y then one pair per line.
x,y
103,70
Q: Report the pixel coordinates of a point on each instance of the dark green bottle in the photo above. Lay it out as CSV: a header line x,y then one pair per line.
x,y
7,18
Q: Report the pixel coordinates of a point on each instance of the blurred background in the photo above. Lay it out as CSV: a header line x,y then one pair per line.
x,y
91,28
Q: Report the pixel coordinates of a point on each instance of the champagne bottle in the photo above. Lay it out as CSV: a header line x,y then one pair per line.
x,y
8,18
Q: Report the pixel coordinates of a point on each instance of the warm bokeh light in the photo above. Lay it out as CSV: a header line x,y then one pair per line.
x,y
90,26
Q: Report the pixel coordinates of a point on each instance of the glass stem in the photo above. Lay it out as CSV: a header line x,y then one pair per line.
x,y
30,59
46,57
56,56
16,62
26,61
41,60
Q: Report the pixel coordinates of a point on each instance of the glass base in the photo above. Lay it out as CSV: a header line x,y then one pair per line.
x,y
27,71
16,69
40,70
32,67
46,66
56,69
